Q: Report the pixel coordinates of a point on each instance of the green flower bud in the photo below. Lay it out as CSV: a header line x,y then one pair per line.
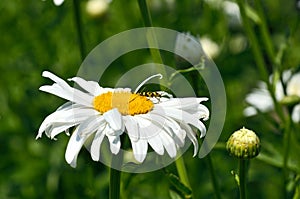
x,y
290,100
244,144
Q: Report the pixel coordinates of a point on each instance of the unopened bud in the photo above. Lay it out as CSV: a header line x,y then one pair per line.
x,y
244,144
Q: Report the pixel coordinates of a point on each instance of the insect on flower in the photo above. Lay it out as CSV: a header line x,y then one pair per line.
x,y
155,95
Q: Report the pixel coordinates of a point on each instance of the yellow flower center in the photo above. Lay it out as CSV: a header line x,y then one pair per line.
x,y
126,102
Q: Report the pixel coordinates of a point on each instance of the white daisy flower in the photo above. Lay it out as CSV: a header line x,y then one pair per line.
x,y
161,121
260,99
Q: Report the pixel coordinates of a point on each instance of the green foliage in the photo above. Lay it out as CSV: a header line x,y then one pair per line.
x,y
37,36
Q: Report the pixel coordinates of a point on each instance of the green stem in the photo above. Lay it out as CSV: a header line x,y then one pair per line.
x,y
182,171
242,178
287,141
253,40
286,150
276,60
265,33
151,38
114,184
213,177
77,18
145,13
115,175
258,56
155,53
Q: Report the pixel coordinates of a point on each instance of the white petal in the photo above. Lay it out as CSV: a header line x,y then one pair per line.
x,y
200,112
115,144
293,86
115,121
147,129
179,134
90,86
55,78
296,114
182,103
139,149
58,2
191,136
250,111
66,106
69,93
73,148
159,122
61,89
167,125
57,90
260,99
66,115
132,128
169,144
96,144
156,145
286,76
151,132
90,125
54,130
183,116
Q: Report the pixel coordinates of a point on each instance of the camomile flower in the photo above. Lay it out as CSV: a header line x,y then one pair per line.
x,y
260,99
155,119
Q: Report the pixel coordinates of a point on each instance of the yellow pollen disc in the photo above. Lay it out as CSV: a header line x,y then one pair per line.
x,y
126,102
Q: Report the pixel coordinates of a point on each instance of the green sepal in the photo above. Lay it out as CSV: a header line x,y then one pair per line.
x,y
290,100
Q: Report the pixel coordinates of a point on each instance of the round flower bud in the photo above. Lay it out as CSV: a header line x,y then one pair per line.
x,y
244,144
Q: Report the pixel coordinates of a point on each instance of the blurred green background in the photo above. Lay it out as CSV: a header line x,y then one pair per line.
x,y
37,35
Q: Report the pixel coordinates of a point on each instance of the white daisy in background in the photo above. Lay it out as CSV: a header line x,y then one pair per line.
x,y
210,47
232,11
97,8
96,112
57,2
188,46
260,99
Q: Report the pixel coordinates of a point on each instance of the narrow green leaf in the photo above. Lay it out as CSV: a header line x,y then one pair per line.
x,y
252,14
178,185
174,195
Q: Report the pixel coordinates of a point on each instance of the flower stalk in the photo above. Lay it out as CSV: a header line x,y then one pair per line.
x,y
242,179
258,55
115,176
155,53
181,169
151,38
286,150
243,144
261,65
265,33
114,183
213,177
78,24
